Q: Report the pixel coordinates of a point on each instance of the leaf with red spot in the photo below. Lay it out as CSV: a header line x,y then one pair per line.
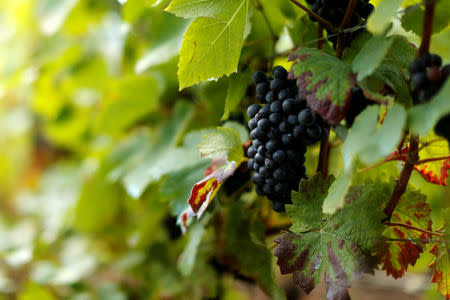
x,y
441,263
433,171
324,81
412,210
339,246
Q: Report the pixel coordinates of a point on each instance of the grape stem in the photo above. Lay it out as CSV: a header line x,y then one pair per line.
x,y
405,175
427,28
321,20
345,22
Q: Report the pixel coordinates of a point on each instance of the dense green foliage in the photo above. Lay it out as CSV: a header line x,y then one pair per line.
x,y
118,117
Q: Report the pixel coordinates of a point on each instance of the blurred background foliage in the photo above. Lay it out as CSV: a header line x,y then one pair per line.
x,y
98,150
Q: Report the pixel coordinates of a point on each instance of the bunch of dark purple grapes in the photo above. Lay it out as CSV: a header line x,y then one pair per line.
x,y
358,103
281,129
427,78
334,11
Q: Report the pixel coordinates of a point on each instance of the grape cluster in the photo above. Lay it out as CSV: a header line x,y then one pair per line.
x,y
282,126
334,11
358,103
427,78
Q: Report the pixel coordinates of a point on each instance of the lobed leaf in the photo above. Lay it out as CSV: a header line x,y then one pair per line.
x,y
212,46
380,19
324,81
412,210
371,56
339,245
370,143
225,143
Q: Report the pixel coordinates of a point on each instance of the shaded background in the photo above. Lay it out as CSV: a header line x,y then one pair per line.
x,y
98,154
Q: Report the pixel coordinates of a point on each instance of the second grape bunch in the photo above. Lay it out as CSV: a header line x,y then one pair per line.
x,y
282,126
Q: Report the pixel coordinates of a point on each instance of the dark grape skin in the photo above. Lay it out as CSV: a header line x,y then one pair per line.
x,y
262,88
253,109
305,117
289,106
264,125
275,118
284,94
280,73
277,84
419,80
259,77
272,145
279,156
278,206
252,124
251,152
276,107
314,131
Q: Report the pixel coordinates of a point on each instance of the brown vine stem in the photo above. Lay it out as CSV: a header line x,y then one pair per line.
x,y
424,161
427,28
319,36
345,22
415,228
405,175
321,20
413,154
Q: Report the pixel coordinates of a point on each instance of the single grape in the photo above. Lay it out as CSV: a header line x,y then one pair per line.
x,y
279,156
280,73
306,118
253,109
259,77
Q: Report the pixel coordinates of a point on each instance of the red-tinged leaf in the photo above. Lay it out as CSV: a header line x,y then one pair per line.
x,y
324,81
339,245
431,147
411,210
441,263
205,190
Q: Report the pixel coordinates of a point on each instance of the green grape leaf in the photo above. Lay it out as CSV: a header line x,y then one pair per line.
x,y
412,19
225,143
212,46
391,74
339,245
237,87
336,197
412,210
441,262
371,56
422,118
370,143
324,81
144,162
202,8
380,19
245,250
